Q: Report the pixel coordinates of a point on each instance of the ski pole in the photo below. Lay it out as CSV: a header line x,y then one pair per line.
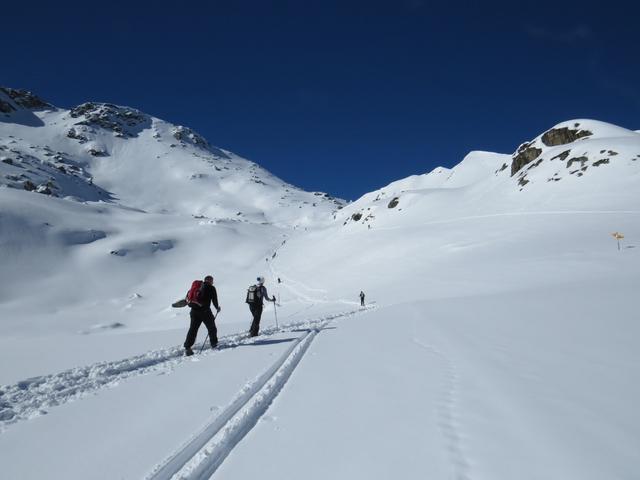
x,y
276,314
207,337
205,341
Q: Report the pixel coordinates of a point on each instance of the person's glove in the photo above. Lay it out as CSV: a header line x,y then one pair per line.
x,y
273,299
218,309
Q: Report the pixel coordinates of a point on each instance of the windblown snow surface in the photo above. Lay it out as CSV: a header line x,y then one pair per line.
x,y
499,339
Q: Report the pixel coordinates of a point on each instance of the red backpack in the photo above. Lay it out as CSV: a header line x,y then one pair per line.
x,y
194,294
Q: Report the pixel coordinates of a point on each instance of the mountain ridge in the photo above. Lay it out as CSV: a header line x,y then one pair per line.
x,y
101,151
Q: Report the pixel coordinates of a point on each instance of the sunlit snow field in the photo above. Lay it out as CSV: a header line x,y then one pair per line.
x,y
498,341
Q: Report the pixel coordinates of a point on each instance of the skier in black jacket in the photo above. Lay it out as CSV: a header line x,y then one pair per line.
x,y
203,314
256,307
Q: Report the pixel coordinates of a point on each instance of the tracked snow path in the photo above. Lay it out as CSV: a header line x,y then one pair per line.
x,y
300,290
203,454
447,414
31,397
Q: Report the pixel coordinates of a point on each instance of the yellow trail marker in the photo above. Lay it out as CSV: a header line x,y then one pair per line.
x,y
618,236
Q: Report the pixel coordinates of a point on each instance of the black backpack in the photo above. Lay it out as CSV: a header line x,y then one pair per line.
x,y
254,294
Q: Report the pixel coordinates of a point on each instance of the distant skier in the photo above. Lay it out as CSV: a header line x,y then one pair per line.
x,y
255,297
200,297
361,298
279,281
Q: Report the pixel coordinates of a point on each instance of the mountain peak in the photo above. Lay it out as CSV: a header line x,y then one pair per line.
x,y
576,145
105,152
123,121
13,99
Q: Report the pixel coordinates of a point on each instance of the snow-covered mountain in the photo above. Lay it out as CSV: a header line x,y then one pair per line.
x,y
499,340
107,190
99,151
578,164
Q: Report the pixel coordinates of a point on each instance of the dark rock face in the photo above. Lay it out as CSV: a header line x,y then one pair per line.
x,y
562,136
187,136
562,156
123,121
6,107
48,172
524,155
72,133
394,202
184,134
602,161
581,160
527,152
45,189
356,217
97,153
26,99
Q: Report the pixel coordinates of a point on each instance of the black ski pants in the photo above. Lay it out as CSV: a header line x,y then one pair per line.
x,y
256,311
198,317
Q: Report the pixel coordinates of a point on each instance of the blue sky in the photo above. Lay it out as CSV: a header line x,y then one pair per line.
x,y
342,97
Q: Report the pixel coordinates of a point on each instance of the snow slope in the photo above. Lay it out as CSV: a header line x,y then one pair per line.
x,y
499,340
109,214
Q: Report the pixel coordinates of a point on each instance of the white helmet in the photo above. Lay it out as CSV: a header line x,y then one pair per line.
x,y
260,280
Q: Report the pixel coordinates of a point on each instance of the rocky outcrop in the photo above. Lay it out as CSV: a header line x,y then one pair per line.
x,y
123,121
564,135
73,133
602,161
573,149
46,171
525,154
530,151
25,99
562,156
97,152
6,107
184,134
581,160
187,136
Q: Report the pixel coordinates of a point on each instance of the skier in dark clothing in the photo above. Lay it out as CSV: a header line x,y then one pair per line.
x,y
361,298
201,313
257,294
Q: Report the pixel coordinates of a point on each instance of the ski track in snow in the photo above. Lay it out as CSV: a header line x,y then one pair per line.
x,y
298,288
448,420
32,397
201,456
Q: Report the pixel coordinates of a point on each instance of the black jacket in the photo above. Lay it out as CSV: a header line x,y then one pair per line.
x,y
263,295
207,296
